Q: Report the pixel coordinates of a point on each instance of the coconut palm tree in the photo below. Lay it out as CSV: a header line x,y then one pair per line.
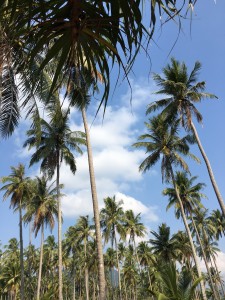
x,y
163,143
111,222
190,195
216,218
183,249
132,228
177,286
84,231
54,143
184,91
42,209
147,258
17,188
162,245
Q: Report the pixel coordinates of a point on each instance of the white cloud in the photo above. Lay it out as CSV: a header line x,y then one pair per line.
x,y
115,161
147,212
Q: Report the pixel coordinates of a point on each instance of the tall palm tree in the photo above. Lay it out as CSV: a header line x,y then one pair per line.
x,y
163,143
54,143
83,232
17,188
132,228
162,245
218,221
184,91
111,222
147,258
42,209
183,248
190,195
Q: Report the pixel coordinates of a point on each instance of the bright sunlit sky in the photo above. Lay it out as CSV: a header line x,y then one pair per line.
x,y
116,162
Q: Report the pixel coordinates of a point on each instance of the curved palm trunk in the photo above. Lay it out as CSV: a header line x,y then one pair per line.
x,y
22,295
40,263
189,236
59,233
101,272
210,171
205,260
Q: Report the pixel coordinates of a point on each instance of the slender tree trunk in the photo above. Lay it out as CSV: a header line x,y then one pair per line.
x,y
86,271
22,295
101,272
29,257
210,171
150,282
211,257
138,261
205,260
189,235
40,263
118,267
59,232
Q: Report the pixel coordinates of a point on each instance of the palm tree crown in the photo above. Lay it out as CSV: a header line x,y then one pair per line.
x,y
182,91
163,141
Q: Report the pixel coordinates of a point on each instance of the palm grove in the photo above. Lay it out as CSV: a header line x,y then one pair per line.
x,y
61,50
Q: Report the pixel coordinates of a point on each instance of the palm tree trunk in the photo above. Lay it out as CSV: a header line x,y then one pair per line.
x,y
59,232
118,267
149,279
40,263
189,236
22,295
101,272
205,260
210,171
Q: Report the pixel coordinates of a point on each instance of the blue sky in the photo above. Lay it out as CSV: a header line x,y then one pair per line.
x,y
116,162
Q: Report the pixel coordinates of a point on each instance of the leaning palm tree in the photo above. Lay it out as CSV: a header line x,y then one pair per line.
x,y
111,221
190,195
54,142
17,188
183,93
42,209
163,143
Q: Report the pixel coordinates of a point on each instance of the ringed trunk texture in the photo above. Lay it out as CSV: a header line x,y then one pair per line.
x,y
22,295
205,260
210,171
189,236
40,263
59,233
101,272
